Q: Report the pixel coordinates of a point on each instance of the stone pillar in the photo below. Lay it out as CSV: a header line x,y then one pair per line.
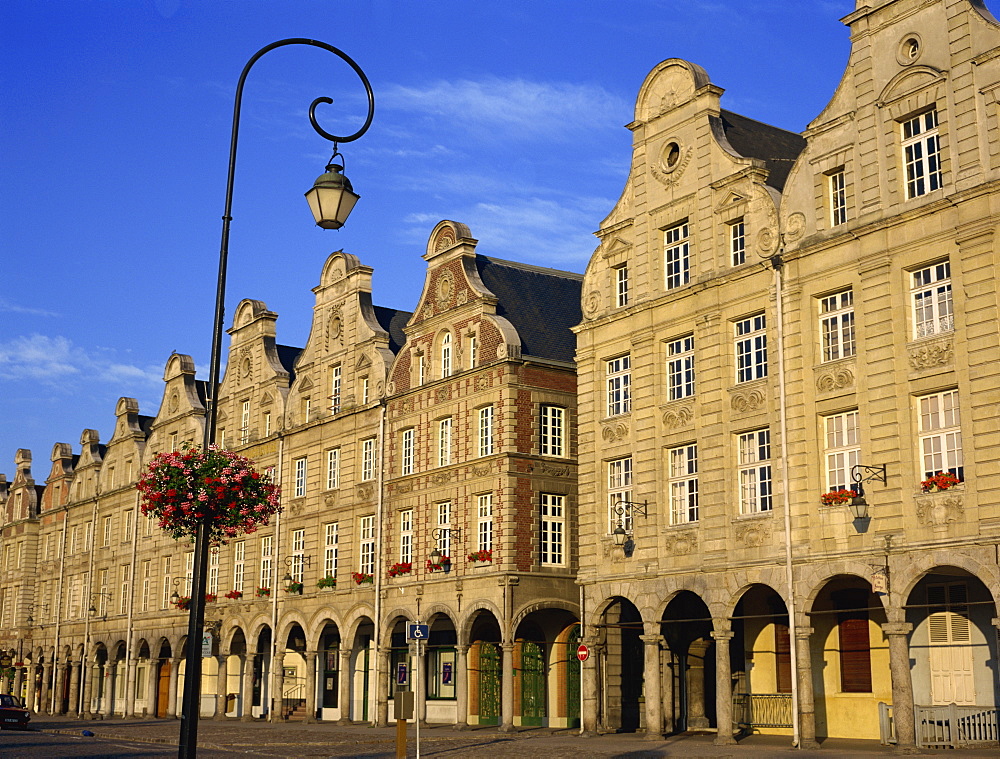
x,y
723,684
344,684
128,703
902,686
4,685
29,702
807,698
651,684
507,688
311,686
221,687
667,691
462,688
74,687
110,683
589,686
697,718
59,687
381,687
246,689
152,686
46,688
90,677
19,682
175,671
278,696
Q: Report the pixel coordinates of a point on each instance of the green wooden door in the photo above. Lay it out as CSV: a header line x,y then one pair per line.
x,y
532,683
489,684
573,678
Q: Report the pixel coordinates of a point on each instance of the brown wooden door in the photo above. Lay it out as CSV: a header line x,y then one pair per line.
x,y
163,690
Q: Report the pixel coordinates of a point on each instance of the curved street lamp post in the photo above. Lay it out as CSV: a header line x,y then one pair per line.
x,y
331,199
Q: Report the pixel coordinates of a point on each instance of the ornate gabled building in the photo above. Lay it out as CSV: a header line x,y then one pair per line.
x,y
776,330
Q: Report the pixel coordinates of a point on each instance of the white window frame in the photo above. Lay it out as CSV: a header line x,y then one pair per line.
x,y
406,451
682,483
267,423
444,441
621,286
297,566
552,543
336,388
737,243
239,564
837,187
266,561
147,576
940,434
108,530
930,294
485,431
836,325
680,368
473,348
366,545
167,582
299,467
619,381
484,523
751,348
127,525
842,433
332,468
124,586
245,422
406,536
446,355
368,459
444,513
677,255
921,153
552,431
756,486
331,548
212,586
619,491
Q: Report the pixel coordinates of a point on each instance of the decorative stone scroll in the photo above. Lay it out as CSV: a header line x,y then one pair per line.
x,y
615,431
592,304
681,543
678,416
365,492
931,355
753,534
939,509
747,401
836,378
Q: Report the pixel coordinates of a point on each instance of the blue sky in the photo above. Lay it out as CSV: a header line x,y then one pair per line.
x,y
507,116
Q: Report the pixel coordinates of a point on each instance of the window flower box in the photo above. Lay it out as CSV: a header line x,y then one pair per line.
x,y
484,556
400,568
210,598
444,563
182,602
234,595
362,578
939,481
294,588
326,583
263,592
838,497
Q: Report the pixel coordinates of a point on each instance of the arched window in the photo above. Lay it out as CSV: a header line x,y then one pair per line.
x,y
446,355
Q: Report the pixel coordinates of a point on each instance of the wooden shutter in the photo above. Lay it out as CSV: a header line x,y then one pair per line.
x,y
855,653
783,663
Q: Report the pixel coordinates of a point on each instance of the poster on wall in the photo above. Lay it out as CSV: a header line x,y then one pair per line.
x,y
401,673
446,673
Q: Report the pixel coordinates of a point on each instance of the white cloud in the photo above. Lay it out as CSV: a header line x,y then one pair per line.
x,y
14,308
55,360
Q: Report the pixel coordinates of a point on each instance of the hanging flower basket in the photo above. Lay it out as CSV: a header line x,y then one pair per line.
x,y
362,578
443,564
182,488
234,595
401,568
182,602
294,588
837,497
263,592
939,481
326,583
481,556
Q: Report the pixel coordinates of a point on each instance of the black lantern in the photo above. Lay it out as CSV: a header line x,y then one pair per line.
x,y
332,198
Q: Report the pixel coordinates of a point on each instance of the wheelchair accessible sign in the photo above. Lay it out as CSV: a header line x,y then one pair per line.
x,y
416,631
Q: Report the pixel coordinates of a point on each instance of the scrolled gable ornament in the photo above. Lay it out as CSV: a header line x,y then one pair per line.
x,y
180,489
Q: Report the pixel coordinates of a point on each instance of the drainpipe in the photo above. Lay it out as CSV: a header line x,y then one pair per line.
x,y
89,586
59,596
378,555
274,587
128,709
573,653
776,265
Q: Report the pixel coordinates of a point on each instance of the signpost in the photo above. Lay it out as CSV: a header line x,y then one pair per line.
x,y
582,652
417,635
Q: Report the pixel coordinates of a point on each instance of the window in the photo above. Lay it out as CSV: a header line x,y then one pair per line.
x,y
103,593
444,442
266,546
446,355
127,525
188,573
421,369
754,471
364,391
298,554
124,585
366,554
108,526
553,526
331,539
441,668
267,423
444,527
677,255
167,583
212,586
300,477
680,368
221,437
932,306
406,452
737,243
335,389
941,434
333,469
843,450
147,577
306,410
751,348
682,474
484,531
619,371
838,197
486,431
245,422
111,478
621,286
552,431
406,536
921,154
836,325
952,670
368,459
239,564
855,645
619,489
473,348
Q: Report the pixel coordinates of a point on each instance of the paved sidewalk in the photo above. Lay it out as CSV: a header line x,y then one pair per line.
x,y
296,739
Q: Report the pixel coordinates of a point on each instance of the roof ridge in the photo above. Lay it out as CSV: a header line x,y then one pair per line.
x,y
532,267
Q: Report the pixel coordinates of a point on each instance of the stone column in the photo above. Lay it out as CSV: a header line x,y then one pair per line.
x,y
344,686
902,686
110,683
696,684
311,686
461,688
4,685
175,671
60,688
221,687
90,677
29,702
807,698
651,684
589,686
152,686
507,688
278,696
74,686
246,689
723,684
382,687
46,688
19,682
667,691
128,703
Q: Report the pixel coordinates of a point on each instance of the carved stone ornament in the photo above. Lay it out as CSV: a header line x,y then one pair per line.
x,y
403,488
592,303
462,296
835,378
484,382
480,471
678,416
295,507
246,370
753,534
445,239
615,431
939,509
747,401
439,478
931,355
445,287
330,499
671,163
766,241
682,543
553,470
443,394
173,403
365,492
795,226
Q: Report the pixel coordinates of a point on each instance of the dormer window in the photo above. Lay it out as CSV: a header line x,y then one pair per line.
x,y
446,355
921,154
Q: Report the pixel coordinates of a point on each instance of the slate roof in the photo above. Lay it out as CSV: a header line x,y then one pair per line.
x,y
392,321
777,148
287,355
541,303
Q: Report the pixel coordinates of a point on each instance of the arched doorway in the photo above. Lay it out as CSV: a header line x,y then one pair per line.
x,y
484,670
362,664
329,654
260,694
544,669
622,666
293,675
163,680
686,626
